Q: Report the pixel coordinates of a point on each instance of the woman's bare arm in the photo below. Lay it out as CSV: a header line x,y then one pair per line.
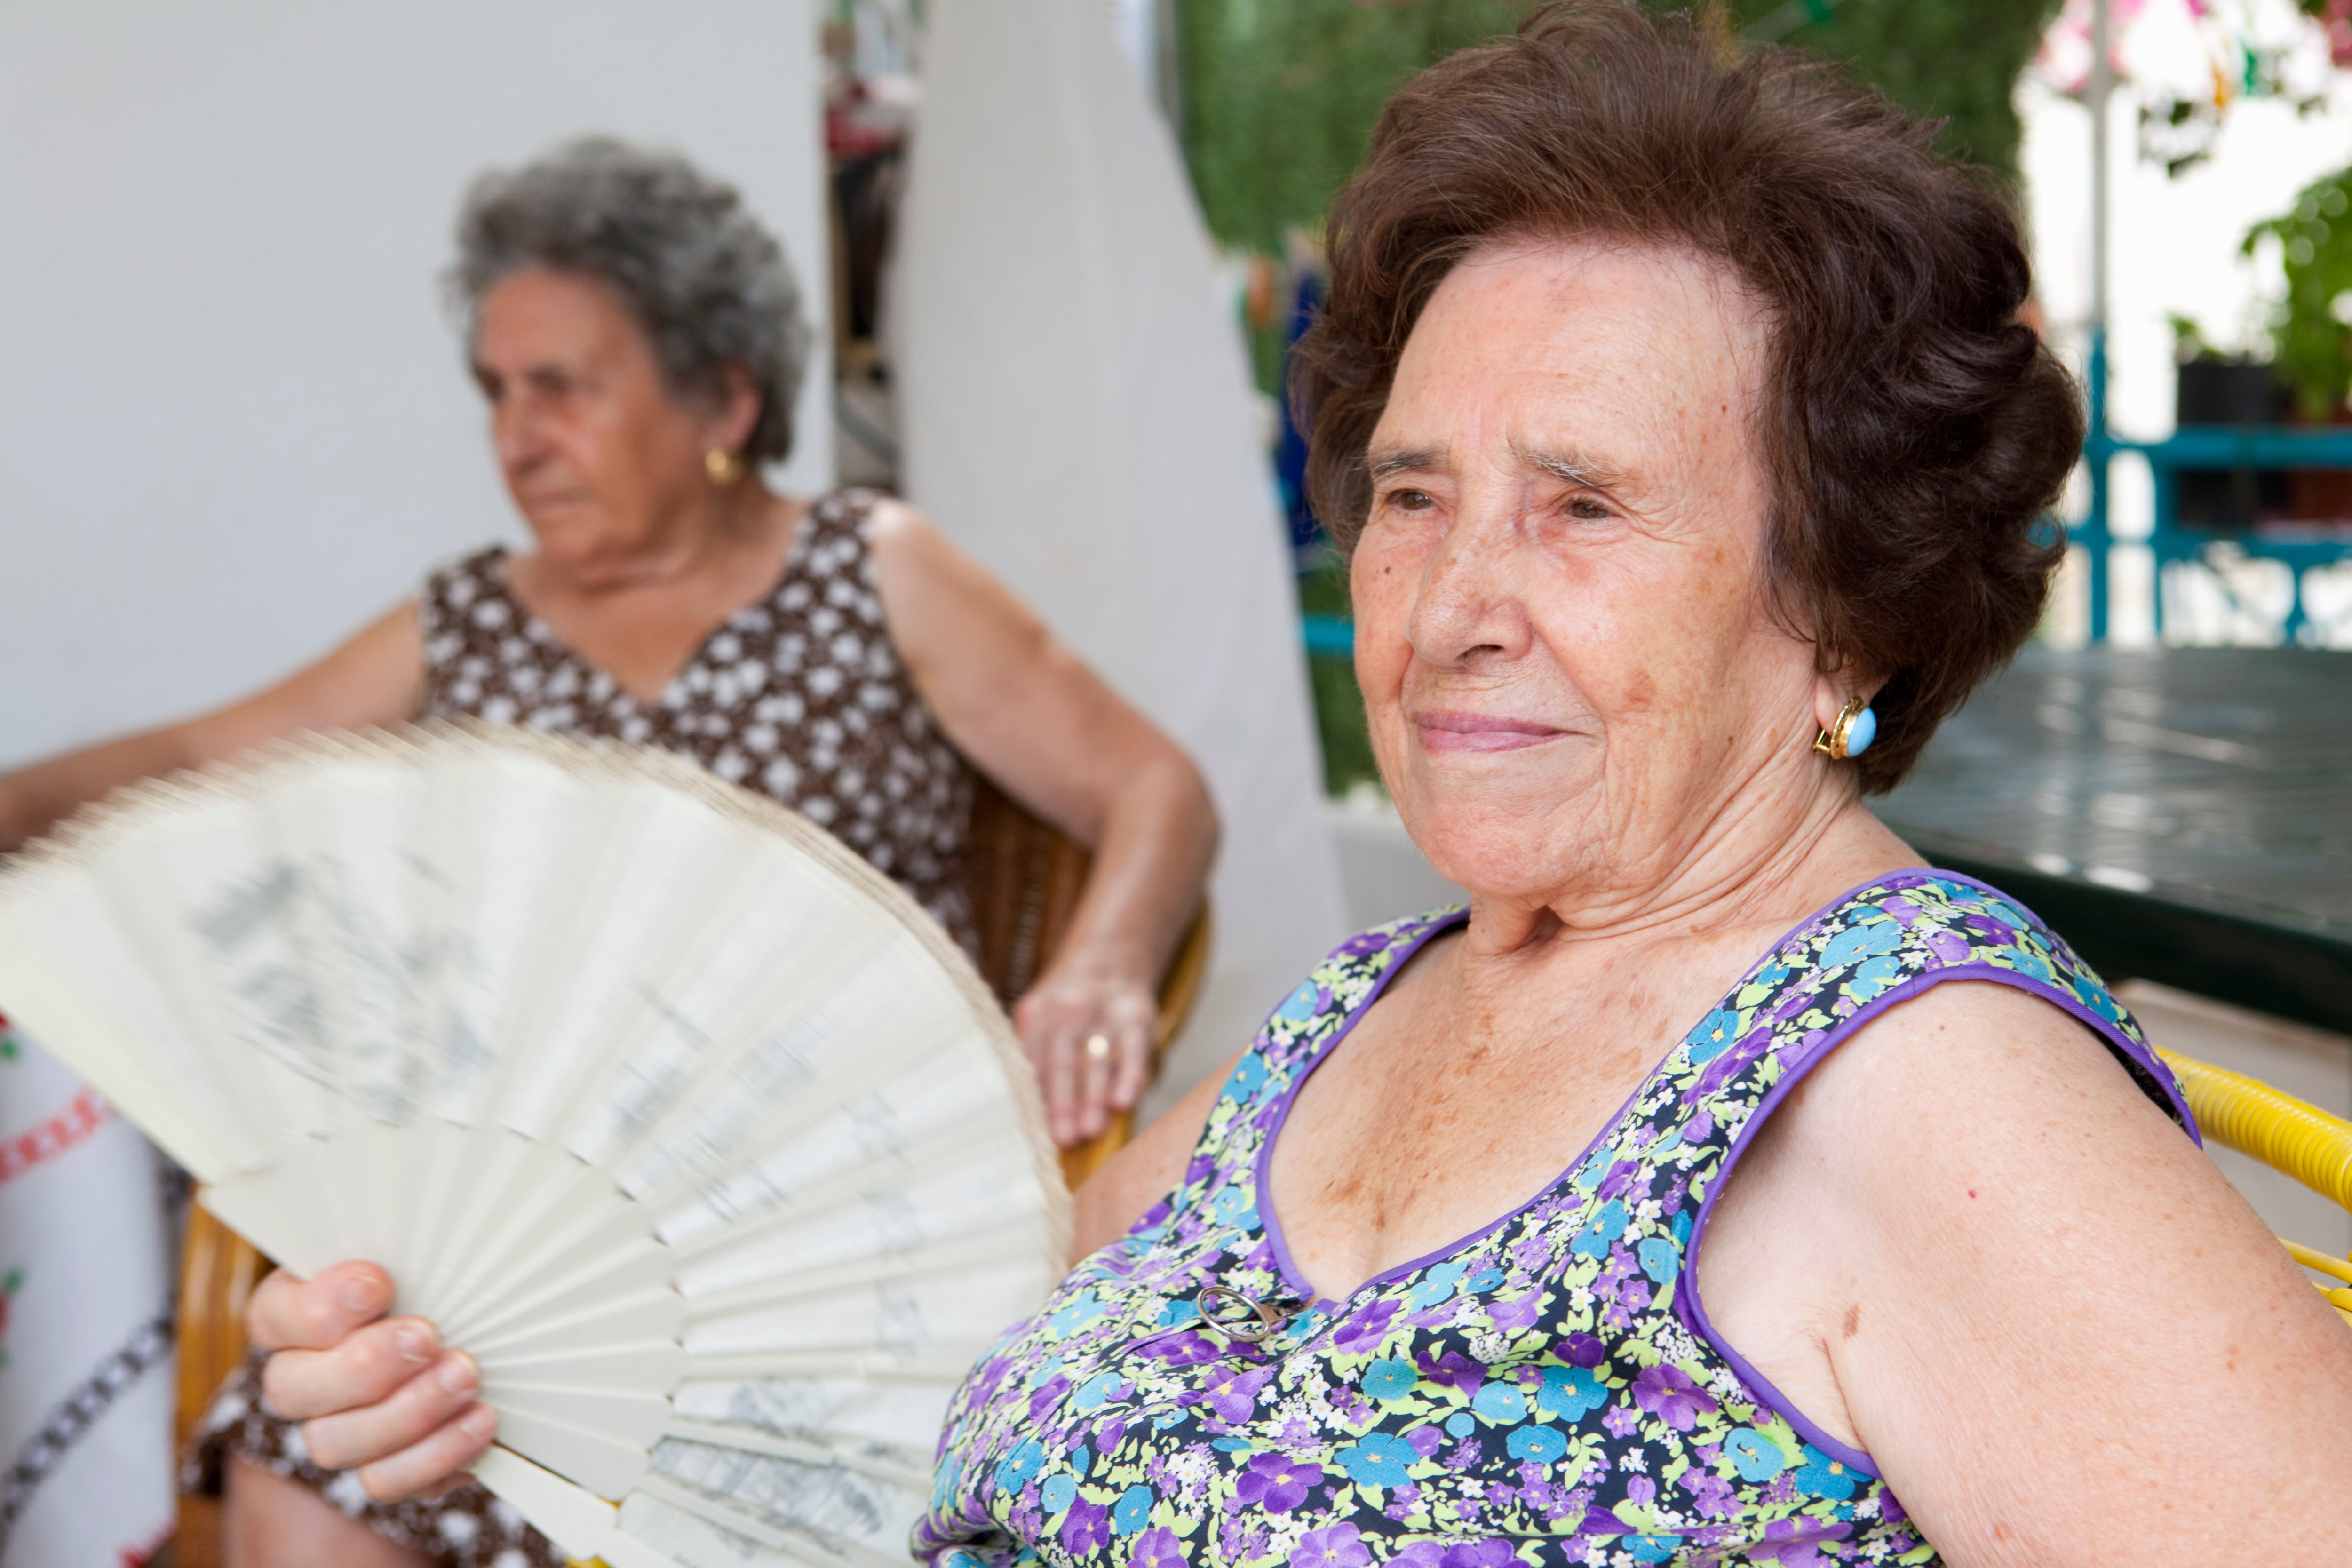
x,y
1045,727
2053,1324
376,678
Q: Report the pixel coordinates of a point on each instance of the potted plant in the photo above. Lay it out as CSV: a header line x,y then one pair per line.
x,y
2311,329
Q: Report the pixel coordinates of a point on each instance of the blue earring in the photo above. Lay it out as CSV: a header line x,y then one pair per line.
x,y
1849,735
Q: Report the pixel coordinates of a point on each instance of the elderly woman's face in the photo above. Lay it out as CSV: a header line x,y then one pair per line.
x,y
1571,674
597,452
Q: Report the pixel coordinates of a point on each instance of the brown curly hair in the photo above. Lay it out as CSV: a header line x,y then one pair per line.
x,y
1914,426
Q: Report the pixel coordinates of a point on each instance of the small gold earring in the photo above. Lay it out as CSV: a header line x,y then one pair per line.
x,y
723,465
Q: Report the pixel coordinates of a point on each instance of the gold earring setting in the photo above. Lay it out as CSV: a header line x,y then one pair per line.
x,y
1851,733
723,465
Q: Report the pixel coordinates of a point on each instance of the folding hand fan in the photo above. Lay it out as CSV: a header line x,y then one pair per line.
x,y
689,1126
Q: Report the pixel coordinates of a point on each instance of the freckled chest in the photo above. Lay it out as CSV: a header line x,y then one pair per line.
x,y
1433,1120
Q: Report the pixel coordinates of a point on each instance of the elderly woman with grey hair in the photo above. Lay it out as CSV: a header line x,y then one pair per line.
x,y
639,340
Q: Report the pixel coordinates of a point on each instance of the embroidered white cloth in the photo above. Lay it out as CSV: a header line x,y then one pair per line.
x,y
86,1388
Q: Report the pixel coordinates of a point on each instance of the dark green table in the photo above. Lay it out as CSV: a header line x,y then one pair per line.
x,y
2182,815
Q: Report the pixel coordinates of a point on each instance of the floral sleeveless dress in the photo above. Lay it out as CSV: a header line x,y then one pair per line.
x,y
1547,1390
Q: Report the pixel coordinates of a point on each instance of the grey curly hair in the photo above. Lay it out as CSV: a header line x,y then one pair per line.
x,y
708,284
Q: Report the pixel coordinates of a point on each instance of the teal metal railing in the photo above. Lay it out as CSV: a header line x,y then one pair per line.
x,y
2171,544
1334,636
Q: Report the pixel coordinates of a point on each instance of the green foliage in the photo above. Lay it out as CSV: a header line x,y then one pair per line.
x,y
2309,336
1338,703
1954,61
1280,96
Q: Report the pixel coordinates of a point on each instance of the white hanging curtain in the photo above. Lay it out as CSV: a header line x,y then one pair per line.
x,y
1075,410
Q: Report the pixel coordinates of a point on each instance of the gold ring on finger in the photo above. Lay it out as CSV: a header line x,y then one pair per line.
x,y
1098,1048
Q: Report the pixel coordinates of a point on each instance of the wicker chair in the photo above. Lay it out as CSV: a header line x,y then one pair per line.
x,y
1026,877
2287,1134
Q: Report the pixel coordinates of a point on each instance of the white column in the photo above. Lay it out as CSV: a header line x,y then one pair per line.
x,y
1075,409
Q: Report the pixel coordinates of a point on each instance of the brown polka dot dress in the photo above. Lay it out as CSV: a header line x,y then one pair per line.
x,y
801,697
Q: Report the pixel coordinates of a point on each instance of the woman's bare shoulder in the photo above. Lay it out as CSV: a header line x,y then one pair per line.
x,y
901,532
2028,1267
1973,1075
1985,1043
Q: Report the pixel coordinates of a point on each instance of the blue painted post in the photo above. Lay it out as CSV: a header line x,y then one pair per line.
x,y
2098,451
2165,543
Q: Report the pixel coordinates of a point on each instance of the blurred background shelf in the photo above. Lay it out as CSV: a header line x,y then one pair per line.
x,y
2179,814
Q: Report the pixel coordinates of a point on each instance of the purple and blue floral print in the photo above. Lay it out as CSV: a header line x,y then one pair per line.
x,y
1547,1390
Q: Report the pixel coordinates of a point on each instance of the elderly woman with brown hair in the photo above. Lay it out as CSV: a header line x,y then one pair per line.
x,y
1679,419
1690,450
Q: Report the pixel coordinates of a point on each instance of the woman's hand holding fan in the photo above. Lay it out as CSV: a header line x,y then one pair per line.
x,y
374,1392
684,1125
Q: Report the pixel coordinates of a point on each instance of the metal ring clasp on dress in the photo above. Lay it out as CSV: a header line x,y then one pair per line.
x,y
1265,1318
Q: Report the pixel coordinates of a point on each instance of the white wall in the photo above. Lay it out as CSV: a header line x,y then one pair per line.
x,y
233,420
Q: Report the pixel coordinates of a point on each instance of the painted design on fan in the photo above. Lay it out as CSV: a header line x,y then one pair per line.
x,y
783,1063
749,1168
279,934
1546,1390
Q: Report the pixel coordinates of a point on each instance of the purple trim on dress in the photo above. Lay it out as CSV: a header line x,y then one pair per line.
x,y
2066,1001
1271,1222
1687,1304
1268,1222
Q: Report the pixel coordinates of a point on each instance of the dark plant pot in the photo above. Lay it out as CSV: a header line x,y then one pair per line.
x,y
2319,495
2233,392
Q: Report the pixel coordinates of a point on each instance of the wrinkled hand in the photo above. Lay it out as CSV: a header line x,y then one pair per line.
x,y
1066,1010
372,1392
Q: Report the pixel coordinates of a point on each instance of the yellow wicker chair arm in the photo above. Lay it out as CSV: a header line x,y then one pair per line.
x,y
2282,1131
2319,1262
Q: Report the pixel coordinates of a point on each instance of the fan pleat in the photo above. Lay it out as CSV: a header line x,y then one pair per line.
x,y
898,1468
773,1503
